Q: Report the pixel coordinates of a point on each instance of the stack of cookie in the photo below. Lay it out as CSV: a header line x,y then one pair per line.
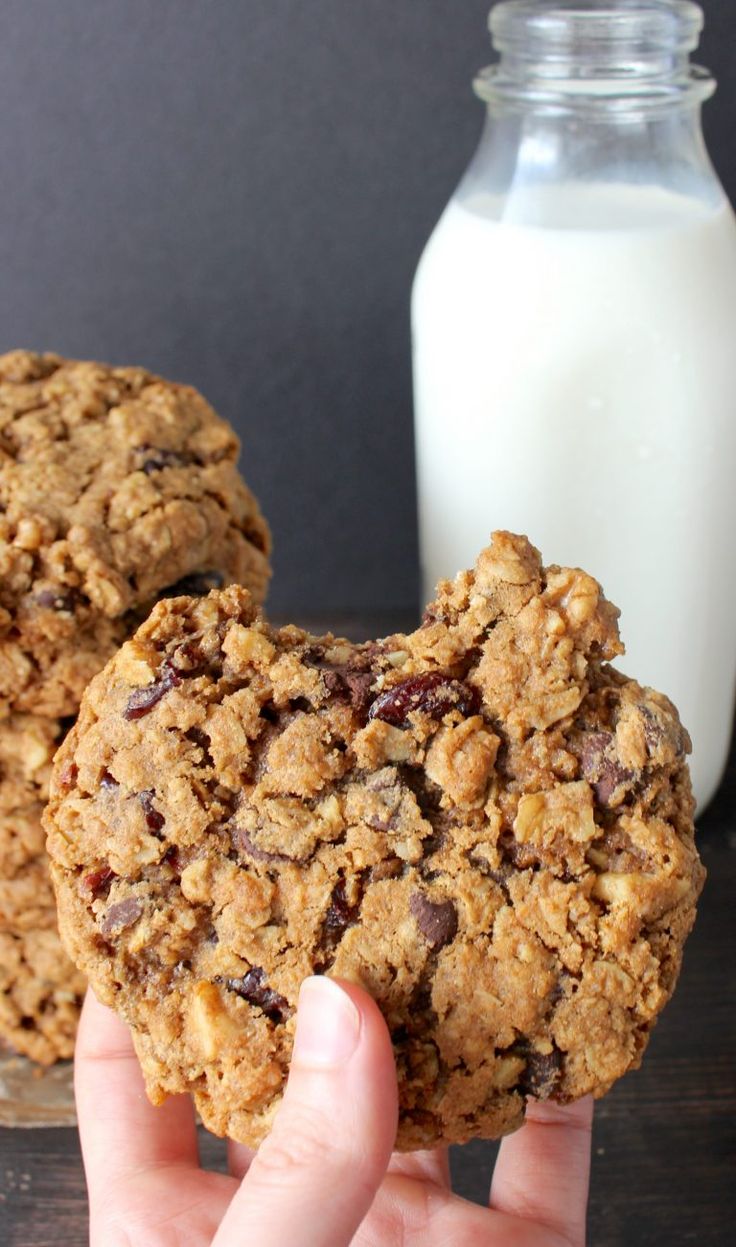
x,y
116,489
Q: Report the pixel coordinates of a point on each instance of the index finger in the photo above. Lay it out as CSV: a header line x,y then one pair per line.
x,y
120,1130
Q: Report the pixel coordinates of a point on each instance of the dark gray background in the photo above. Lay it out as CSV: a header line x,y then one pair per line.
x,y
235,193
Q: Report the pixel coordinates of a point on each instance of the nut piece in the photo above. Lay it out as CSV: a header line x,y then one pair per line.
x,y
565,811
379,743
211,1025
247,647
460,760
509,560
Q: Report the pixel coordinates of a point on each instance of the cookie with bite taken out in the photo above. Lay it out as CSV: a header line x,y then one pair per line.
x,y
482,822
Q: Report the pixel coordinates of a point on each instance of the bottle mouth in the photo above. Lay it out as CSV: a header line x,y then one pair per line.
x,y
614,53
609,27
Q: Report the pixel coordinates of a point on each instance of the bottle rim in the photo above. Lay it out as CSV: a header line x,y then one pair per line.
x,y
673,24
604,55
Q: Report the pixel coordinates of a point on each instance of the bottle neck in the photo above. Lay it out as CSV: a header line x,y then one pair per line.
x,y
600,58
588,93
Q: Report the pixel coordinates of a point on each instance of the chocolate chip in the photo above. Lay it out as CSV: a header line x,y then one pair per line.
x,y
143,700
350,682
435,694
97,883
121,915
196,585
542,1073
353,686
621,852
202,741
154,819
428,795
602,769
500,876
441,825
437,920
663,736
253,851
521,856
254,988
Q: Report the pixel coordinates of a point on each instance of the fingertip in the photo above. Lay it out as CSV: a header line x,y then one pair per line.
x,y
328,1025
377,1054
334,1130
337,1022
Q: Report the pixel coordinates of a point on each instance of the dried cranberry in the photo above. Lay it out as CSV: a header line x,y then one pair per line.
x,y
254,988
154,819
142,700
68,775
340,915
435,694
97,883
171,857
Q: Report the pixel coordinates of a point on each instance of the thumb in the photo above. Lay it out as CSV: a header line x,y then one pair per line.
x,y
317,1173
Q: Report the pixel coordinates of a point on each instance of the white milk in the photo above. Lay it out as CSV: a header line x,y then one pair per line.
x,y
579,385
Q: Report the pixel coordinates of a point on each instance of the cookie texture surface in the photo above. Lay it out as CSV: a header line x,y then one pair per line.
x,y
115,488
40,989
482,822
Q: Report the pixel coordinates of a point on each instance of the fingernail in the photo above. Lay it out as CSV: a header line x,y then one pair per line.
x,y
327,1025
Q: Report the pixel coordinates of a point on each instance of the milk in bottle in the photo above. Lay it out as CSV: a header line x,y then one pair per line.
x,y
574,326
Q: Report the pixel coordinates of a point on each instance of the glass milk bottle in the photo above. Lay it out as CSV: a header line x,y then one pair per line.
x,y
574,328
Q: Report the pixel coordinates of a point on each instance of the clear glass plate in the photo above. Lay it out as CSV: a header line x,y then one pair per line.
x,y
31,1096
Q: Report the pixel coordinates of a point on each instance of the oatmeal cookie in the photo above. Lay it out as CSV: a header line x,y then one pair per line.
x,y
116,487
482,822
41,994
40,990
27,746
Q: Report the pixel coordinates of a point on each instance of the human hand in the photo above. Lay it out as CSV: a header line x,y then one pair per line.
x,y
325,1176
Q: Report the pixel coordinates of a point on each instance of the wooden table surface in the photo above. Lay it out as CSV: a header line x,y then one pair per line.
x,y
664,1143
